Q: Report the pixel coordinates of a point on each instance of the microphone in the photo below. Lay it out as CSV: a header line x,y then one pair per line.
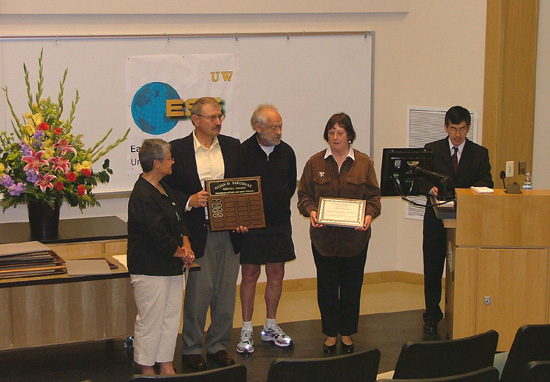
x,y
503,176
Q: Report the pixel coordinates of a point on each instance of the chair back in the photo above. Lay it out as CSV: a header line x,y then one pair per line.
x,y
359,366
531,343
434,359
488,374
233,373
537,371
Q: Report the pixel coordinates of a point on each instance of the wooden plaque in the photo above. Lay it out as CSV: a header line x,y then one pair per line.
x,y
235,202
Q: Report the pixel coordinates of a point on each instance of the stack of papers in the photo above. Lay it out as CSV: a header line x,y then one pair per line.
x,y
482,190
29,259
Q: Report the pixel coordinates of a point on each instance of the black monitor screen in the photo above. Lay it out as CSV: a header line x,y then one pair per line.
x,y
398,164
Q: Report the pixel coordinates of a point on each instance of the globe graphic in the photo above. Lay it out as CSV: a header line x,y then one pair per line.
x,y
149,108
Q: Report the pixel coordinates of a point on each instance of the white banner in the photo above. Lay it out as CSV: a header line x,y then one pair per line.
x,y
160,91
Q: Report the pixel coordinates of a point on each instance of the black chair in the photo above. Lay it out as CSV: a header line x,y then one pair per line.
x,y
488,374
532,343
359,366
233,373
435,359
537,371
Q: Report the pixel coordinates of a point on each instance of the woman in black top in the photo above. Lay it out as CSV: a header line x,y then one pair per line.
x,y
158,249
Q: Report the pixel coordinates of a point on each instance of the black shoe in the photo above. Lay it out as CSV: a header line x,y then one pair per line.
x,y
430,327
347,348
221,358
329,349
194,361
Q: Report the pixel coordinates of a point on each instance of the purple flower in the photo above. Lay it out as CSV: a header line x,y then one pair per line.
x,y
26,149
6,181
32,176
38,135
17,189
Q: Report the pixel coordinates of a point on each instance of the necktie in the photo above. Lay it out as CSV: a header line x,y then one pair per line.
x,y
455,158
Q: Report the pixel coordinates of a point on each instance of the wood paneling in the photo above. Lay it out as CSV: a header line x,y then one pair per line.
x,y
510,74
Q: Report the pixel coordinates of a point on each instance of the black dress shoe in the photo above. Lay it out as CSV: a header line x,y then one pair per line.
x,y
347,348
329,349
221,358
194,361
430,327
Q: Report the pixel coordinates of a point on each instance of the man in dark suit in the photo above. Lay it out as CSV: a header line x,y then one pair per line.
x,y
205,154
468,165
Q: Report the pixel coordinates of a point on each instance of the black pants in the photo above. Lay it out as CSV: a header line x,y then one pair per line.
x,y
339,282
433,250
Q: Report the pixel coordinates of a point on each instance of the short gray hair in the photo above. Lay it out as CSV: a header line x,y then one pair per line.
x,y
150,150
259,114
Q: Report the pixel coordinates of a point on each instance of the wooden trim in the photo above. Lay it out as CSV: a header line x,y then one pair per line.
x,y
510,83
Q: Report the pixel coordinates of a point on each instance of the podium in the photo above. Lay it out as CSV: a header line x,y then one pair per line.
x,y
498,262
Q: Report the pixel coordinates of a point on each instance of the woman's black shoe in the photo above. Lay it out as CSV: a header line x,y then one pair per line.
x,y
329,349
347,348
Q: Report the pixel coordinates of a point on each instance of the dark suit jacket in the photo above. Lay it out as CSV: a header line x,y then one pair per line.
x,y
474,169
185,181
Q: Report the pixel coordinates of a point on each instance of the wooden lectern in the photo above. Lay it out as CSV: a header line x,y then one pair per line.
x,y
498,262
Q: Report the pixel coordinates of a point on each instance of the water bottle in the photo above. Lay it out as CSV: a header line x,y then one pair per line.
x,y
527,182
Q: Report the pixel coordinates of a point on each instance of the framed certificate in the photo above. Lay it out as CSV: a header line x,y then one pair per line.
x,y
235,202
341,212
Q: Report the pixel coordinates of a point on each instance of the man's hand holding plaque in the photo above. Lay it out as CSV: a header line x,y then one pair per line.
x,y
234,203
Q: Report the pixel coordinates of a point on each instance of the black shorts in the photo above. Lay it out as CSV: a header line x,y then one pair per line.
x,y
268,245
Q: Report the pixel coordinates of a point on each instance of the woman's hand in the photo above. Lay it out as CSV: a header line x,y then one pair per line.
x,y
186,254
366,223
313,220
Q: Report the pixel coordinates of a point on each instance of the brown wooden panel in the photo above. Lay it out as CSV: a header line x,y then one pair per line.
x,y
6,337
503,220
87,309
461,293
515,281
120,308
116,246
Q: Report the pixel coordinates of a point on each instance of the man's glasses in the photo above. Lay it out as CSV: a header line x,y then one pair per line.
x,y
213,118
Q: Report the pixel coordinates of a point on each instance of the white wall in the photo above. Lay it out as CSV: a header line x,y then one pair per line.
x,y
431,56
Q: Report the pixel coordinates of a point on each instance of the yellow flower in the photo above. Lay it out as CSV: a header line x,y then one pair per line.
x,y
77,167
2,168
86,164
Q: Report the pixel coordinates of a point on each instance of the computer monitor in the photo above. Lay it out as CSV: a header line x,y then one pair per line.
x,y
399,170
407,172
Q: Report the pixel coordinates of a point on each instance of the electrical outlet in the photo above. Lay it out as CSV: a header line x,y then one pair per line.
x,y
509,168
522,167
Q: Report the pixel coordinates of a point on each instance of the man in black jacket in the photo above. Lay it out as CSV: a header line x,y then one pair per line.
x,y
468,165
206,154
267,156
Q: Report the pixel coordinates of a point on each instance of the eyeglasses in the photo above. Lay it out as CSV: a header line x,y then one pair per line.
x,y
461,130
213,118
170,159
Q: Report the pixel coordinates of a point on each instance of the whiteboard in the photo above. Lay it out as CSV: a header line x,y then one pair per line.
x,y
308,77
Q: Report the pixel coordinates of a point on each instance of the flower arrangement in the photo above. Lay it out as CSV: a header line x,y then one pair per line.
x,y
42,160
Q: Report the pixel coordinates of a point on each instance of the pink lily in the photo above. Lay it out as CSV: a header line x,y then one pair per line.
x,y
64,146
59,163
35,161
44,182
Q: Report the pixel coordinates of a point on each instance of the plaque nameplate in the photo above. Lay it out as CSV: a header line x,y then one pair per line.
x,y
235,202
341,212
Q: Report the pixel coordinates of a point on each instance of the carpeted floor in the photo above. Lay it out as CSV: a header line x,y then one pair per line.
x,y
110,361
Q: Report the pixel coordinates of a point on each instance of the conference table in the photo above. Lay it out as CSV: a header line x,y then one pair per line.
x,y
61,309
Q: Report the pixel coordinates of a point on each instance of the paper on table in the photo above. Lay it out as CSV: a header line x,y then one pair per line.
x,y
122,260
482,190
21,248
87,267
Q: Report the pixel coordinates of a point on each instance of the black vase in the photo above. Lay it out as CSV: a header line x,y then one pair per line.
x,y
44,220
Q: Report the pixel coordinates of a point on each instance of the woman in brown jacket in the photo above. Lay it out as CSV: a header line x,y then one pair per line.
x,y
340,253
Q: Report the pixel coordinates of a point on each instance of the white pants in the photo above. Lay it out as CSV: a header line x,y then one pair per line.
x,y
159,304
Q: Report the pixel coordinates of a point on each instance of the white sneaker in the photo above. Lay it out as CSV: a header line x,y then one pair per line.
x,y
246,344
276,335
